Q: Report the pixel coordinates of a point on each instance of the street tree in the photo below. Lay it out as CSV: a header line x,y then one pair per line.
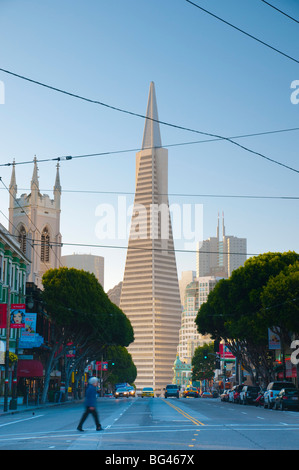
x,y
82,315
280,300
233,311
121,368
203,362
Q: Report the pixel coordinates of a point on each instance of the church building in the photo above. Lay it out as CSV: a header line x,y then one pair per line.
x,y
34,219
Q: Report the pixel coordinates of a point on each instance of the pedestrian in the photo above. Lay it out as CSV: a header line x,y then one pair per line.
x,y
90,404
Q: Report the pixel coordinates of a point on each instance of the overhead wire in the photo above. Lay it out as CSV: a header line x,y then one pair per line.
x,y
131,193
280,11
114,152
176,126
243,32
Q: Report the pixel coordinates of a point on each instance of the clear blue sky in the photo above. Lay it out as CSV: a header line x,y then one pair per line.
x,y
208,77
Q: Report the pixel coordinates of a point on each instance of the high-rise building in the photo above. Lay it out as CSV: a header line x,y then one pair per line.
x,y
34,219
186,278
91,263
196,293
114,293
150,294
220,255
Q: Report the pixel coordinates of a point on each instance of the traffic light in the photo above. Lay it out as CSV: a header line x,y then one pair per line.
x,y
205,354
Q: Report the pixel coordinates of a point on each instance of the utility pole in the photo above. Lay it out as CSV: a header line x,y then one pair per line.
x,y
6,380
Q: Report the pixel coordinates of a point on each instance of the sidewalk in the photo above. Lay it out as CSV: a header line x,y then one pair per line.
x,y
22,408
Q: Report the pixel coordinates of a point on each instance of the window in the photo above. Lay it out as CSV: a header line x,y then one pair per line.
x,y
9,273
45,246
1,267
22,239
4,274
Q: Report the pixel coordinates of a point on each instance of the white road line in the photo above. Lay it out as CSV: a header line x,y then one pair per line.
x,y
20,421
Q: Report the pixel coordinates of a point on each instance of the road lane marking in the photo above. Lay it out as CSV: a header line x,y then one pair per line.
x,y
19,421
179,410
92,435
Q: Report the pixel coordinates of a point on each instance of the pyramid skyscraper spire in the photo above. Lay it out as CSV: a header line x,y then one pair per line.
x,y
151,134
150,293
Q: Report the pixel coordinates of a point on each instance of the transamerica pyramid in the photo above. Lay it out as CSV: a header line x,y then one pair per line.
x,y
150,294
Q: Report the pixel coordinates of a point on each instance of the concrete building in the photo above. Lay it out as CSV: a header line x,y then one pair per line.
x,y
114,293
91,263
196,293
150,293
220,255
186,278
34,219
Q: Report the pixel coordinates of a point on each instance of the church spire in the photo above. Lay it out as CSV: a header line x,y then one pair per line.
x,y
12,191
151,134
57,186
13,182
34,180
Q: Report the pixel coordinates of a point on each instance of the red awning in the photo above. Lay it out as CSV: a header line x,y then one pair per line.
x,y
30,368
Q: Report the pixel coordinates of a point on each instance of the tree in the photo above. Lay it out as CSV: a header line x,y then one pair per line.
x,y
203,362
234,311
280,300
121,368
82,314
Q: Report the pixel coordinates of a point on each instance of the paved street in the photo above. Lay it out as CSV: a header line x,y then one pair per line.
x,y
152,424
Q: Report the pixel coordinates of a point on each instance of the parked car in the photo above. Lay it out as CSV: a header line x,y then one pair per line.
x,y
191,392
273,390
287,398
224,395
172,390
121,392
248,394
234,394
147,392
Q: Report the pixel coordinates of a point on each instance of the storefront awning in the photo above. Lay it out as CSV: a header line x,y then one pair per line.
x,y
30,368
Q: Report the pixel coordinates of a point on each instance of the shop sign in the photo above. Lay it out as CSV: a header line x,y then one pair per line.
x,y
226,353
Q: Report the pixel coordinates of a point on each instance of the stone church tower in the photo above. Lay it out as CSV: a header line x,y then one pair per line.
x,y
35,220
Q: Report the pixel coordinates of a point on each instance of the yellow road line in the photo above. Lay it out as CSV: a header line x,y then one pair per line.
x,y
179,410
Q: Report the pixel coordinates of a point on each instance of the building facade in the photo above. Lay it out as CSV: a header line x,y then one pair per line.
x,y
91,263
186,278
220,255
13,270
34,219
115,293
150,294
196,293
